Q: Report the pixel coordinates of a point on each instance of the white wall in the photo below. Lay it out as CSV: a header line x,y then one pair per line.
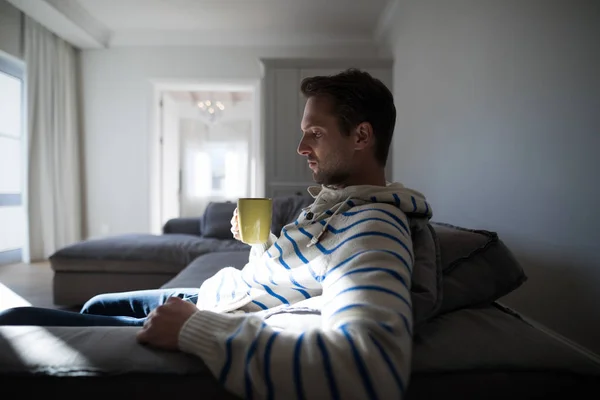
x,y
117,101
499,125
169,159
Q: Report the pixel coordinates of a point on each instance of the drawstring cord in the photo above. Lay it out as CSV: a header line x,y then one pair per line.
x,y
315,239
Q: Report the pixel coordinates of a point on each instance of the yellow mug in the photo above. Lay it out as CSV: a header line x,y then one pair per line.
x,y
254,219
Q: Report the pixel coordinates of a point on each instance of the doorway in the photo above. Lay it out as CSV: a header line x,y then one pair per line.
x,y
208,148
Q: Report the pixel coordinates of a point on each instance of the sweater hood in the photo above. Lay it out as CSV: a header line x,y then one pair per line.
x,y
329,202
411,202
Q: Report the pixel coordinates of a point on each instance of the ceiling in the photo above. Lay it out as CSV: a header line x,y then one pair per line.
x,y
224,96
114,23
222,106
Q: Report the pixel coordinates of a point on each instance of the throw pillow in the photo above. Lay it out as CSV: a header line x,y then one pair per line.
x,y
216,221
477,267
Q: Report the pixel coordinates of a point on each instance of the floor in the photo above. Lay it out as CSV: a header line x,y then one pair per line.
x,y
26,284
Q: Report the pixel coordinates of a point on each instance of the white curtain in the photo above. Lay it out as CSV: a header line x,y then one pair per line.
x,y
54,187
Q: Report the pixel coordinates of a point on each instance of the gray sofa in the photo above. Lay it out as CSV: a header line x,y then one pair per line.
x,y
145,261
469,347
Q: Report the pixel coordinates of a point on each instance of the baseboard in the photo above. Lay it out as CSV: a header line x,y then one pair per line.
x,y
11,257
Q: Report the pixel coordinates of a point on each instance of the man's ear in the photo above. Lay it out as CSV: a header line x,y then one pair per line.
x,y
363,136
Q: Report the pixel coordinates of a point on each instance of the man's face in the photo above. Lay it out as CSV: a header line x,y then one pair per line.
x,y
329,152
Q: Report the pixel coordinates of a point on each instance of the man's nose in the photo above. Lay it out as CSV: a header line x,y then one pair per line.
x,y
303,148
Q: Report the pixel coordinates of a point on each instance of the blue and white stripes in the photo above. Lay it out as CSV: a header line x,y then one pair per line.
x,y
360,271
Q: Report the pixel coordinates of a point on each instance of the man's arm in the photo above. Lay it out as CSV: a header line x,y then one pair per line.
x,y
362,350
257,250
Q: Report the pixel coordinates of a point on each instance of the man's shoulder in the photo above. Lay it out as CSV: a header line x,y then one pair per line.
x,y
376,216
372,210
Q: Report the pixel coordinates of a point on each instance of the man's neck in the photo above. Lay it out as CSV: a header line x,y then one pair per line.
x,y
374,178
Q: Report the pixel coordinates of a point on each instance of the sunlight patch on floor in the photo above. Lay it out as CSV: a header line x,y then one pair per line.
x,y
9,299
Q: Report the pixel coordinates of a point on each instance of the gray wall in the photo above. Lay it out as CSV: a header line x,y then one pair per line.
x,y
10,29
499,125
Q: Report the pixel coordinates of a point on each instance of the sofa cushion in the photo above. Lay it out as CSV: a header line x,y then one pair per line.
x,y
216,221
494,337
477,267
205,267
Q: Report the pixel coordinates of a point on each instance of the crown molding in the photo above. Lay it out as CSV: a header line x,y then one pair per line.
x,y
237,39
68,20
368,62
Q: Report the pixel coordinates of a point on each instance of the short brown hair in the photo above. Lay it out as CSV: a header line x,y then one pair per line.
x,y
358,97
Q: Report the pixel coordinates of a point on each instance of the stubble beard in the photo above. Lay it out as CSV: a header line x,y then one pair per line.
x,y
334,178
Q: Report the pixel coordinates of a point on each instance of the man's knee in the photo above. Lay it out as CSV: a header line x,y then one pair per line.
x,y
95,305
17,316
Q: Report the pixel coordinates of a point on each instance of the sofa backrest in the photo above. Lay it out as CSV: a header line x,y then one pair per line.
x,y
216,221
286,209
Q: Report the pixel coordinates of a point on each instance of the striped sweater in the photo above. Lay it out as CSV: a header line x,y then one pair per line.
x,y
340,276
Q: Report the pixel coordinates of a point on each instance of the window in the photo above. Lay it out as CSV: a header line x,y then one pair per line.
x,y
12,156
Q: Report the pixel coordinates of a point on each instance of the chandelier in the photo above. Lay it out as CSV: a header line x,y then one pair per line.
x,y
210,109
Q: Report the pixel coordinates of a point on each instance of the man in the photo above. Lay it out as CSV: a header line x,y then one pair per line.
x,y
325,309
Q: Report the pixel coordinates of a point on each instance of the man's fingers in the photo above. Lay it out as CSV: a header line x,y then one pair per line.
x,y
172,299
235,226
142,335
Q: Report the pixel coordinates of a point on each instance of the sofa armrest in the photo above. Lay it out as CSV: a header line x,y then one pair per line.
x,y
190,226
78,361
88,351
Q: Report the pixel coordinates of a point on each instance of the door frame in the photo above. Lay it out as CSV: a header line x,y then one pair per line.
x,y
155,176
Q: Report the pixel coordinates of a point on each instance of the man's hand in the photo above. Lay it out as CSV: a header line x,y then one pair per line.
x,y
235,226
163,324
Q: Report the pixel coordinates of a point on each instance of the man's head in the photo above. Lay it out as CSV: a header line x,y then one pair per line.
x,y
347,127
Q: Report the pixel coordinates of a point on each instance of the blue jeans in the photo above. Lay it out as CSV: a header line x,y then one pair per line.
x,y
111,309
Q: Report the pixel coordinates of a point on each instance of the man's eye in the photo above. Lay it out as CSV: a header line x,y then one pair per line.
x,y
318,134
